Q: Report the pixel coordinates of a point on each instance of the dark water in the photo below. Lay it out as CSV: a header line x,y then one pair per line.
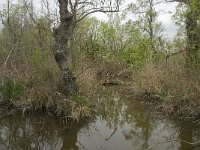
x,y
122,124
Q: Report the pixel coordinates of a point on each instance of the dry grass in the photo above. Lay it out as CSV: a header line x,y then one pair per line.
x,y
40,93
175,89
86,78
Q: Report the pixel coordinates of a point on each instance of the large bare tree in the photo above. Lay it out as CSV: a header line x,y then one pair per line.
x,y
71,12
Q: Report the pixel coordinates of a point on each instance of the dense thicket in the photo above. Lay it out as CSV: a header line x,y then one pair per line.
x,y
157,69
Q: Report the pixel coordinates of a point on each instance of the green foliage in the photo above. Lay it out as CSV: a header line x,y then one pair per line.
x,y
10,89
122,41
132,42
136,55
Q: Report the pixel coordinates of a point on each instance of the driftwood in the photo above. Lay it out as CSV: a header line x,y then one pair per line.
x,y
111,82
111,134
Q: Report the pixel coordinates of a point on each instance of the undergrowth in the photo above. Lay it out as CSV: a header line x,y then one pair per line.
x,y
33,90
174,88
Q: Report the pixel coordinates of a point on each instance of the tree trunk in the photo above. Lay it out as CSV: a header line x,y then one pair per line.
x,y
192,42
193,38
73,53
61,52
151,30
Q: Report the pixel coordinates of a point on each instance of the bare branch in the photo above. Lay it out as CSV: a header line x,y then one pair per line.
x,y
87,7
94,11
39,26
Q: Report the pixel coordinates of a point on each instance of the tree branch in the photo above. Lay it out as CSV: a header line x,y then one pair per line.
x,y
94,11
93,7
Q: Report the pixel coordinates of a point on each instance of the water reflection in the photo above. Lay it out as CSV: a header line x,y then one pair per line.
x,y
38,132
122,123
120,112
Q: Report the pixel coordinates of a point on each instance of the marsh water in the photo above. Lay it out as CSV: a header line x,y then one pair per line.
x,y
122,123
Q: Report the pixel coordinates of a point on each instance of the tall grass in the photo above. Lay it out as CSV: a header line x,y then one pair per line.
x,y
36,88
175,88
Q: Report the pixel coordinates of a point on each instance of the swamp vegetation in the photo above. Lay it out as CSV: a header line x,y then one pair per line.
x,y
59,61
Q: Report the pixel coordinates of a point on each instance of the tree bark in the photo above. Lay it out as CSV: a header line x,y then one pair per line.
x,y
193,35
192,40
61,52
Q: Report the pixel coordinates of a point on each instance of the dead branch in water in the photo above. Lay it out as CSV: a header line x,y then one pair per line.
x,y
111,134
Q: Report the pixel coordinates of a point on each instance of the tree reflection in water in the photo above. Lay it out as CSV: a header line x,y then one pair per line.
x,y
138,127
142,126
38,132
120,111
